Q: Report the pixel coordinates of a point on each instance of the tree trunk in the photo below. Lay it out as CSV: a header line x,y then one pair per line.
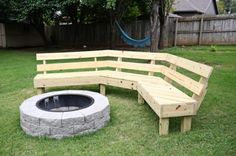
x,y
163,33
72,9
40,29
163,24
154,26
112,31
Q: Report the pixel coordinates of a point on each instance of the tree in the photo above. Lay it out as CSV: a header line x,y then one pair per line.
x,y
221,6
154,17
114,8
36,13
233,6
158,17
230,6
165,8
6,10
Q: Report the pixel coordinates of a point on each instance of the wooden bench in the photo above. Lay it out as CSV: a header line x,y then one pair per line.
x,y
111,67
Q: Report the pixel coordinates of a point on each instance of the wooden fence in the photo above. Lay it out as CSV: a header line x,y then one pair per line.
x,y
183,31
98,34
205,30
2,36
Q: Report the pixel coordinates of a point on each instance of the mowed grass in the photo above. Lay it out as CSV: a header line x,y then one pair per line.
x,y
133,129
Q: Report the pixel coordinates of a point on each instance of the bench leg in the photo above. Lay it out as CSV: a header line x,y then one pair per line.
x,y
40,90
163,126
140,99
102,89
186,124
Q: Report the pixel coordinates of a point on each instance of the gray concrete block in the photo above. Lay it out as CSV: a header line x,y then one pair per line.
x,y
30,119
57,132
72,118
35,130
50,122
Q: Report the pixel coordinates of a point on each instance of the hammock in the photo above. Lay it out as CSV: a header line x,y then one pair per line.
x,y
133,42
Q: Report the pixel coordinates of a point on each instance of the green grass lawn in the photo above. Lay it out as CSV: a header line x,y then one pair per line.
x,y
133,129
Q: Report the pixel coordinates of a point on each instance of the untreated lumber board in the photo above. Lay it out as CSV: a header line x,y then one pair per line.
x,y
102,89
165,100
151,73
184,81
164,126
71,55
71,65
186,124
140,99
195,67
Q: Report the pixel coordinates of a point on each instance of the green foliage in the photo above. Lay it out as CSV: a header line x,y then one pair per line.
x,y
230,6
7,10
233,7
133,12
111,4
221,6
213,48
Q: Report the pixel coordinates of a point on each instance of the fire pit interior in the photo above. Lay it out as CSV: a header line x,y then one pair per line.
x,y
63,103
64,113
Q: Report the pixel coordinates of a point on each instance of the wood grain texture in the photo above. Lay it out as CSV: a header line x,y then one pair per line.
x,y
165,100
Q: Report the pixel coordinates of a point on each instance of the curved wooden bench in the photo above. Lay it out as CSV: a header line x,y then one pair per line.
x,y
152,81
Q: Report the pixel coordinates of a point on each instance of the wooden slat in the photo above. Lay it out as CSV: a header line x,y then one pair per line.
x,y
44,62
71,55
173,67
93,64
169,101
200,98
119,60
101,53
183,80
95,60
67,66
117,82
151,73
136,66
149,99
138,55
167,94
72,81
195,67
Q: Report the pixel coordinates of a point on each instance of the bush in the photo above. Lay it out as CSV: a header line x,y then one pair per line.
x,y
213,48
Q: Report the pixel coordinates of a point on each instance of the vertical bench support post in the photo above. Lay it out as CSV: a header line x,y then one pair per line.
x,y
40,91
140,99
163,126
95,60
102,89
186,124
119,60
173,67
151,73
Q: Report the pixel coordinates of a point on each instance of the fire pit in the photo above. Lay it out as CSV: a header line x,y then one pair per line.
x,y
64,113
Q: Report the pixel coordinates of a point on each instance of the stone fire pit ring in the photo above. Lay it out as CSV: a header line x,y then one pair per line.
x,y
35,120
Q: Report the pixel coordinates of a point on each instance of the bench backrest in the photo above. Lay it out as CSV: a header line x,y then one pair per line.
x,y
197,87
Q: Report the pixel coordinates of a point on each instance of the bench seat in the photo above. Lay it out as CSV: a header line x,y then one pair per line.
x,y
159,94
154,80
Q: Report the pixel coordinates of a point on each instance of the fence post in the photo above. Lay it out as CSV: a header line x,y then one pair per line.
x,y
200,31
2,35
176,31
